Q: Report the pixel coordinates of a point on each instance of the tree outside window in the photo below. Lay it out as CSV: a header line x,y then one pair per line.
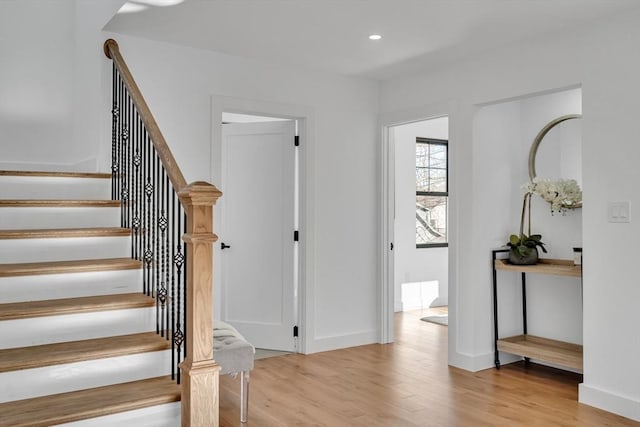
x,y
432,192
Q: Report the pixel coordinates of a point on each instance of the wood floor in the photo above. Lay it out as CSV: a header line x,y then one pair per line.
x,y
406,384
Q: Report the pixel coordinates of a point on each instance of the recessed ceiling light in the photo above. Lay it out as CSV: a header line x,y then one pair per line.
x,y
375,37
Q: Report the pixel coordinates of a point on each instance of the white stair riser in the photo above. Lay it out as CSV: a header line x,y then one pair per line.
x,y
51,217
63,249
55,379
56,286
74,327
54,188
167,415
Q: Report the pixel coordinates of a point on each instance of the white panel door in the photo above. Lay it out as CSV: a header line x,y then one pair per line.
x,y
257,223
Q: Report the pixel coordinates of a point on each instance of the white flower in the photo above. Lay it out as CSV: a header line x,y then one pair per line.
x,y
561,194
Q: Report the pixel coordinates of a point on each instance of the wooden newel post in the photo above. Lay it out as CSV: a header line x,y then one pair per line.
x,y
199,370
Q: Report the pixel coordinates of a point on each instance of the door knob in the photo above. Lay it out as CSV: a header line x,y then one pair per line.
x,y
224,246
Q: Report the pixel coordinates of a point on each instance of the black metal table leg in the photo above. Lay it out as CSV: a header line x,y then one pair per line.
x,y
496,359
524,309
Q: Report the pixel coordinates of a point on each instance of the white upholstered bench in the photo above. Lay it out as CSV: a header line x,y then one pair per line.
x,y
234,355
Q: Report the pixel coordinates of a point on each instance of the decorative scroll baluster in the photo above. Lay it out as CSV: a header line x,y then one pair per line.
x,y
144,209
122,166
171,227
135,194
160,254
156,232
186,284
178,259
166,263
148,191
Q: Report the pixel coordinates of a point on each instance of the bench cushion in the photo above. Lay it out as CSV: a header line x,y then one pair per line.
x,y
230,350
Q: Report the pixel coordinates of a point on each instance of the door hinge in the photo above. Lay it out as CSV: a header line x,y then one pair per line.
x,y
296,236
391,245
295,331
296,140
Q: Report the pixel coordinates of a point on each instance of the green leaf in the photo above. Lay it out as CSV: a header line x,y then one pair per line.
x,y
514,240
536,237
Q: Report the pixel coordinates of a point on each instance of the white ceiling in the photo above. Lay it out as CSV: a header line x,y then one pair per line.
x,y
332,35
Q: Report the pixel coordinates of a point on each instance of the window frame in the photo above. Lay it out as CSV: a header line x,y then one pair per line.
x,y
445,143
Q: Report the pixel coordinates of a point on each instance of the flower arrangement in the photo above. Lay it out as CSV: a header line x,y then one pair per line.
x,y
562,194
523,247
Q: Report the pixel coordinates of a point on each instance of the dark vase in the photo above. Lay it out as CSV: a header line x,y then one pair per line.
x,y
530,259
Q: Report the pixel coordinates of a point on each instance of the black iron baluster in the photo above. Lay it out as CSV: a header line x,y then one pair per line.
x,y
135,193
124,135
151,209
143,207
167,248
184,281
160,237
148,189
173,283
129,171
121,114
131,179
154,228
179,259
124,165
163,223
114,127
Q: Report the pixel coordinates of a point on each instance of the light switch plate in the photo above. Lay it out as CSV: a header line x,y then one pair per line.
x,y
619,212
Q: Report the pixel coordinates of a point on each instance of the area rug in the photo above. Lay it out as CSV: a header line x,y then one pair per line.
x,y
440,320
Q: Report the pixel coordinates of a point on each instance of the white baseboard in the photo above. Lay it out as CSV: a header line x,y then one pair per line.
x,y
341,341
609,401
398,307
475,363
440,302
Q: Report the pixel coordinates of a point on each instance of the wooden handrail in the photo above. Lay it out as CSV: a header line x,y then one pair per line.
x,y
199,370
112,50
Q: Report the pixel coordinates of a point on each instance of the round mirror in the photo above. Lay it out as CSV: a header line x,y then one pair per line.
x,y
560,158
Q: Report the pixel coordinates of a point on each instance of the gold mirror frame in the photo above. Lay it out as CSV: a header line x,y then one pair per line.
x,y
538,139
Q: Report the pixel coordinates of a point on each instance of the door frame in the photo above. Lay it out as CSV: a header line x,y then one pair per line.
x,y
304,116
386,297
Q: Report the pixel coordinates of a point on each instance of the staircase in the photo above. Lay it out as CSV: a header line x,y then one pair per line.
x,y
78,335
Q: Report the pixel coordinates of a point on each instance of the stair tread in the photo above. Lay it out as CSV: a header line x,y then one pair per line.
x,y
82,404
55,174
74,266
53,203
15,359
53,307
64,232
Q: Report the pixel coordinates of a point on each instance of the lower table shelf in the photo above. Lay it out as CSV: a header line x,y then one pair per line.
x,y
552,351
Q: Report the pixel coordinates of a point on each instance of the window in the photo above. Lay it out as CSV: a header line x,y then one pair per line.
x,y
432,192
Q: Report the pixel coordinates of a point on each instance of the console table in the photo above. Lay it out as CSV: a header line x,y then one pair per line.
x,y
528,346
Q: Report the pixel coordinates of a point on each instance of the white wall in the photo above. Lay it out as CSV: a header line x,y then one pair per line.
x,y
601,60
36,81
411,264
340,278
503,134
50,88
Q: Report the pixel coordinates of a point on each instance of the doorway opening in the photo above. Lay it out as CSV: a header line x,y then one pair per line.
x,y
415,217
418,222
258,229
